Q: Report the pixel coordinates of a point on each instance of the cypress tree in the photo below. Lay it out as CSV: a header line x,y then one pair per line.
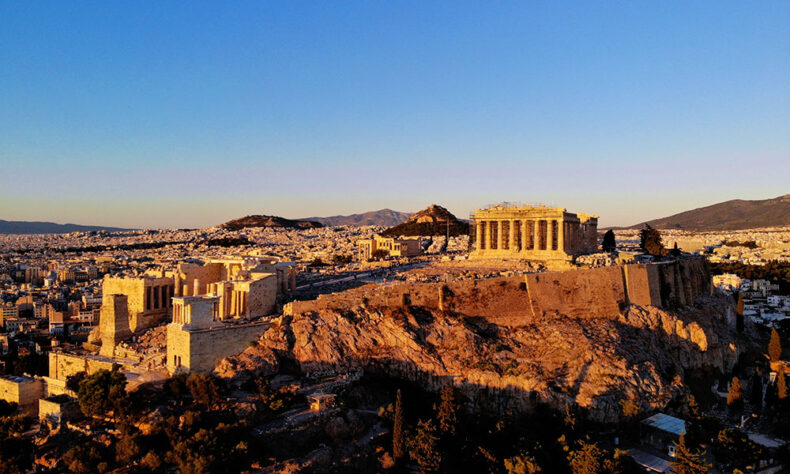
x,y
781,385
735,395
447,416
609,243
756,397
398,443
775,346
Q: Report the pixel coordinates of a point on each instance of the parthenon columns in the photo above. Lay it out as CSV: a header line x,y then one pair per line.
x,y
499,237
479,234
511,227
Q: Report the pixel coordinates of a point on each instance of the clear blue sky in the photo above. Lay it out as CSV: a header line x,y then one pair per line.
x,y
171,114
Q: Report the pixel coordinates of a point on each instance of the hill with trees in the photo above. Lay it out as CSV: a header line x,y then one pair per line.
x,y
432,220
269,221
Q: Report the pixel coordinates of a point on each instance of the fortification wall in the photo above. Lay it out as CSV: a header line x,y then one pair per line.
x,y
583,293
201,350
262,296
62,365
24,391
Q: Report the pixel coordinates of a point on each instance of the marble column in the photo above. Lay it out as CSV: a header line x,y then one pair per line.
x,y
511,242
488,234
499,237
561,236
479,234
536,234
549,233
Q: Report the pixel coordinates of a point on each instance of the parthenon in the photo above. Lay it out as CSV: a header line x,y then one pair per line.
x,y
533,232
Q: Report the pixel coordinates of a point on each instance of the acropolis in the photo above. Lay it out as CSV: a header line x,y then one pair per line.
x,y
533,232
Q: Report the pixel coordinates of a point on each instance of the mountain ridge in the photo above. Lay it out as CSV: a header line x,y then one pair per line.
x,y
735,214
44,227
383,217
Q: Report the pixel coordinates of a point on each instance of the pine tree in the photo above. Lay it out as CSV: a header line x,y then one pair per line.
x,y
609,243
687,461
398,444
447,416
735,395
775,346
781,385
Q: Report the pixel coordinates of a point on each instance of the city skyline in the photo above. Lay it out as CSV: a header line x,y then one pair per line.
x,y
182,115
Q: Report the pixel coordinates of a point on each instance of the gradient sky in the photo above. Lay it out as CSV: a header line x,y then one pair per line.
x,y
187,114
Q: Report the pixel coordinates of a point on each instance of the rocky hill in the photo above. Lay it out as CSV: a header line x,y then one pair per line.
x,y
25,227
432,220
383,217
730,215
592,358
269,221
594,363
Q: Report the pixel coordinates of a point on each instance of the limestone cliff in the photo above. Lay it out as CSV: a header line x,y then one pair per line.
x,y
639,353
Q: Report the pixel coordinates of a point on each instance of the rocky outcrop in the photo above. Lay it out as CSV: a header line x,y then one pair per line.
x,y
639,353
433,220
255,361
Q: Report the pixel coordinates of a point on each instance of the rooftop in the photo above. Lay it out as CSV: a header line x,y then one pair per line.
x,y
667,423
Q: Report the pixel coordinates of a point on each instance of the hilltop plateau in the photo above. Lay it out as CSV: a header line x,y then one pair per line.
x,y
432,220
729,215
506,343
269,221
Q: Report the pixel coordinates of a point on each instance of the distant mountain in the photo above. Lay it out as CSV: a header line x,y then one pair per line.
x,y
24,227
270,221
383,217
432,220
729,215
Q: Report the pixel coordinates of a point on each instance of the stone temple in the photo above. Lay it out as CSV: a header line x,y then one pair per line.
x,y
533,232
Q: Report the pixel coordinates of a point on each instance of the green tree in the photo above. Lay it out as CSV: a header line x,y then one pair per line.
x,y
735,395
735,449
176,387
687,461
100,391
523,463
781,385
775,346
85,457
398,438
609,243
424,447
7,408
127,449
650,242
447,416
587,458
204,388
73,381
16,453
